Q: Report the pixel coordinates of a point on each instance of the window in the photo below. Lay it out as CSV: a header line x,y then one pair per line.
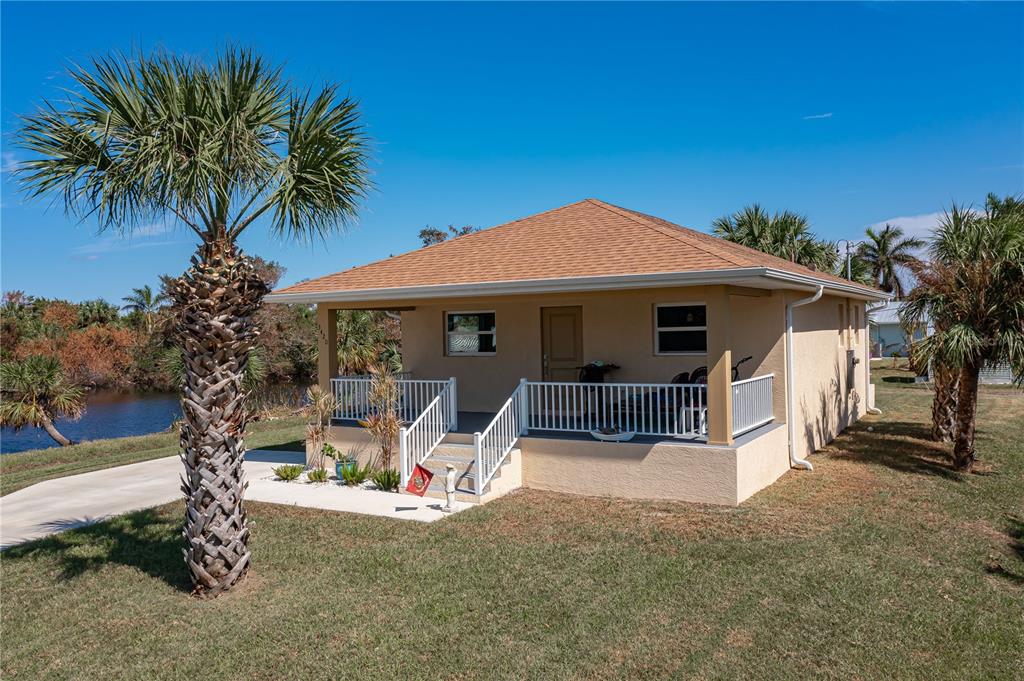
x,y
680,329
470,333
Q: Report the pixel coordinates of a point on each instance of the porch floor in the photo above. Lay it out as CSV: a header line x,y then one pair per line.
x,y
476,421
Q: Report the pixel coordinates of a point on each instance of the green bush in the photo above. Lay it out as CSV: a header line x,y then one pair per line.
x,y
386,479
317,475
355,475
289,472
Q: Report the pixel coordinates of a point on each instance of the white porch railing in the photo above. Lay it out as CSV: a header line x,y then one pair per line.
x,y
752,403
418,441
352,394
678,410
497,440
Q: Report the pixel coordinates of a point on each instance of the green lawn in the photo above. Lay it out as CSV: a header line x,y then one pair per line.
x,y
882,563
27,468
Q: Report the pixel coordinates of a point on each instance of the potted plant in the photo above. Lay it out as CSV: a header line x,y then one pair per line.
x,y
341,461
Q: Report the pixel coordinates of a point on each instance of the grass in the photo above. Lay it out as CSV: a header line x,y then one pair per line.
x,y
27,468
882,563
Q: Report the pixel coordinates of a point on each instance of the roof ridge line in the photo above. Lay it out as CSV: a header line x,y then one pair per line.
x,y
676,234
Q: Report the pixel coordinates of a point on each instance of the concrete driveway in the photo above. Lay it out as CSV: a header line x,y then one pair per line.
x,y
76,500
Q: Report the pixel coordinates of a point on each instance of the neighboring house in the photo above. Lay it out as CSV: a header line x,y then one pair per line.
x,y
497,327
888,337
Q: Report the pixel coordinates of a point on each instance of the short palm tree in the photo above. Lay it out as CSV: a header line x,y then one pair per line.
x,y
785,235
36,393
145,302
887,252
216,146
972,288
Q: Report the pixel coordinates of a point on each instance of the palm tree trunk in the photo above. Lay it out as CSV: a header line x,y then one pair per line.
x,y
52,431
967,403
946,382
216,300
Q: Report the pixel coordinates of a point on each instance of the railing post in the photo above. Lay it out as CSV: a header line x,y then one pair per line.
x,y
479,463
453,398
524,408
403,454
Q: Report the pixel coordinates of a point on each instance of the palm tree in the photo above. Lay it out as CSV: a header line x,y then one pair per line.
x,y
143,301
97,311
365,339
216,146
785,235
36,393
887,252
973,290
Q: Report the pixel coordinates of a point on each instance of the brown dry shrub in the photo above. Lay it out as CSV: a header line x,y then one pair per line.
x,y
99,356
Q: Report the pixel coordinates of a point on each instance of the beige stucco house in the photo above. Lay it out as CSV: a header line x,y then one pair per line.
x,y
498,325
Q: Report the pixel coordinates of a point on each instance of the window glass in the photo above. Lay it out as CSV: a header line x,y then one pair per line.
x,y
470,333
682,315
680,328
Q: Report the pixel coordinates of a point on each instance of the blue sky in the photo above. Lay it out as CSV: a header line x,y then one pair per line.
x,y
853,114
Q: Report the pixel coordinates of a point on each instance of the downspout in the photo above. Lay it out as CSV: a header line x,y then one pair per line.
x,y
790,396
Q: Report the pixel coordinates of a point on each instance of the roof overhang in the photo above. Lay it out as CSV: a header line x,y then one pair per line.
x,y
754,277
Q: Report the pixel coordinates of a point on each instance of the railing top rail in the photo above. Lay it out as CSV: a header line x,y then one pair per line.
x,y
429,407
505,406
617,383
754,378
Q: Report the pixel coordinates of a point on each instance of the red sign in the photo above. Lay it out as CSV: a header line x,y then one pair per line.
x,y
419,481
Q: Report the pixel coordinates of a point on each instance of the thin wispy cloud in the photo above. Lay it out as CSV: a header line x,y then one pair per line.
x,y
818,117
8,162
145,236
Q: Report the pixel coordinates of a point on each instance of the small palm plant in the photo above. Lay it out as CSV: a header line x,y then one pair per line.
x,y
145,302
384,421
320,406
216,147
36,393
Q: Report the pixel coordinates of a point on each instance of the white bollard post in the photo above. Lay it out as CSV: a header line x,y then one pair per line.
x,y
449,489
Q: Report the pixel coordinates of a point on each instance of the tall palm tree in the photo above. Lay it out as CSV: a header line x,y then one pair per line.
x,y
973,290
36,393
146,303
887,252
216,146
785,235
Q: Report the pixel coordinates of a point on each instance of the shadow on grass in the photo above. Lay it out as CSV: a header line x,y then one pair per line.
x,y
904,446
899,379
147,540
293,446
1015,533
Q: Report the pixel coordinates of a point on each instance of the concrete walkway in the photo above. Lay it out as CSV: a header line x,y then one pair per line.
x,y
76,500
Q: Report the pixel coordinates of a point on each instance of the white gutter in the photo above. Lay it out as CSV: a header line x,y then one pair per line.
x,y
790,391
765,277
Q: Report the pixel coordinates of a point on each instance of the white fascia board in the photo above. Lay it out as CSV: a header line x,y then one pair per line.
x,y
745,276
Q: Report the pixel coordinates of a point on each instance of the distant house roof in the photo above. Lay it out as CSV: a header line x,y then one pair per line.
x,y
588,245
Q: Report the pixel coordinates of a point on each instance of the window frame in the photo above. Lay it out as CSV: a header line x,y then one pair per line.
x,y
448,334
658,352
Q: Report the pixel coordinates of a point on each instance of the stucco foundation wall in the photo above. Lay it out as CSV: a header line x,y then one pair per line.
x,y
761,462
352,441
677,472
632,471
829,392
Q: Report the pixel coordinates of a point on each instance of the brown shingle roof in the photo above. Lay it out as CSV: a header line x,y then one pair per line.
x,y
589,238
